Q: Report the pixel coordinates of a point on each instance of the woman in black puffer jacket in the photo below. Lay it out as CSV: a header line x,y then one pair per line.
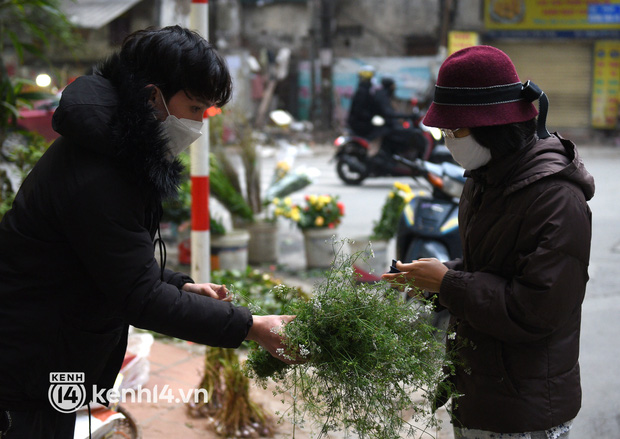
x,y
77,265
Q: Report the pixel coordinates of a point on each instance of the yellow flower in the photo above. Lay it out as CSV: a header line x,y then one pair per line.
x,y
408,197
295,214
402,187
391,194
276,201
283,165
324,199
312,199
288,201
319,221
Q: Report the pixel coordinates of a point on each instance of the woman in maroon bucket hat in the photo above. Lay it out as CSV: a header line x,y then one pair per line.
x,y
515,296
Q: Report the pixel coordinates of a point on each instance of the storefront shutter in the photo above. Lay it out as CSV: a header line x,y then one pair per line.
x,y
563,70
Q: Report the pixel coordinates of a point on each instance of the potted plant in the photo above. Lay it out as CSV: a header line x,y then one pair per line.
x,y
318,220
250,207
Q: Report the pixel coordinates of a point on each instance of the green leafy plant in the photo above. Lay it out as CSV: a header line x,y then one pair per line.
x,y
366,350
397,199
17,159
249,203
226,189
230,408
319,211
29,27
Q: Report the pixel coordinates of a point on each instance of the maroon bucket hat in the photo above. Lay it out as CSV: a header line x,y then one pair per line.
x,y
479,86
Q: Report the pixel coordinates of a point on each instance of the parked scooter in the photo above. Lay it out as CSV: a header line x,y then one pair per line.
x,y
428,227
354,162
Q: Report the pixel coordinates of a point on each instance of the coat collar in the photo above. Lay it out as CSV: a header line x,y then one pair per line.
x,y
553,156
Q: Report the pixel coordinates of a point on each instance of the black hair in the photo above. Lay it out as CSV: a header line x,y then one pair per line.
x,y
174,58
506,139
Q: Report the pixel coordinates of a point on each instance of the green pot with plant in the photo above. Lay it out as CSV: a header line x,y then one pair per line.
x,y
318,219
375,246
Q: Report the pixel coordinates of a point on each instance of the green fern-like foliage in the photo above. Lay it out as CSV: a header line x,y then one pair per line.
x,y
366,353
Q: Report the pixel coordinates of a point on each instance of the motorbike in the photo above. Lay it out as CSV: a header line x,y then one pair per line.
x,y
428,227
354,162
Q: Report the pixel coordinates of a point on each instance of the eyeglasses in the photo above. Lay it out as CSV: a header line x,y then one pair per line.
x,y
450,134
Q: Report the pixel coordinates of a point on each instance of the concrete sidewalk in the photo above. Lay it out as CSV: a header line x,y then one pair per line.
x,y
175,369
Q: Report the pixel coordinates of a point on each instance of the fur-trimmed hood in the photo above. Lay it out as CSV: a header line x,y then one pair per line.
x,y
109,113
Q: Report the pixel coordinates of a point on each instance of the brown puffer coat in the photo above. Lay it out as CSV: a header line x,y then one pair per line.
x,y
516,296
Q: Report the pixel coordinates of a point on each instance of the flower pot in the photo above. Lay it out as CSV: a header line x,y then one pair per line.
x,y
230,251
319,247
263,245
373,257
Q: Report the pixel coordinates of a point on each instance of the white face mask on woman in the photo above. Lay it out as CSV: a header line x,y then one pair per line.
x,y
467,152
180,132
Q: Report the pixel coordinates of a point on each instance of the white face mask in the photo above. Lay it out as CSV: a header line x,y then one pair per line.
x,y
180,132
467,152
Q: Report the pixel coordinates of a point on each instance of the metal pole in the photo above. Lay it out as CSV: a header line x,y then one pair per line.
x,y
199,171
326,57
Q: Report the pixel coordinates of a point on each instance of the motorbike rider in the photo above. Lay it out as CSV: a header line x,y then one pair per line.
x,y
515,297
363,104
395,138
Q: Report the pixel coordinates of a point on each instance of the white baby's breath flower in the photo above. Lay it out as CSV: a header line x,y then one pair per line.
x,y
303,351
254,309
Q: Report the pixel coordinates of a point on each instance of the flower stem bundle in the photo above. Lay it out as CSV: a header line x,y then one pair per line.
x,y
367,351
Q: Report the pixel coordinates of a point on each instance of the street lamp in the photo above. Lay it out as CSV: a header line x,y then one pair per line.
x,y
43,80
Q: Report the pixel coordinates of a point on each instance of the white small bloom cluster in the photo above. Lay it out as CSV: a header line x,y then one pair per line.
x,y
278,330
254,309
303,351
279,290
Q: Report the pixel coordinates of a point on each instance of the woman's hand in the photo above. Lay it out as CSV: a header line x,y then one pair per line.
x,y
215,291
267,332
425,274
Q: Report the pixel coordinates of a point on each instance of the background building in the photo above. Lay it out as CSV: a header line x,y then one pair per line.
x,y
303,55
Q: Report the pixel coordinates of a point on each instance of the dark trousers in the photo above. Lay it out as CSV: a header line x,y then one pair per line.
x,y
36,424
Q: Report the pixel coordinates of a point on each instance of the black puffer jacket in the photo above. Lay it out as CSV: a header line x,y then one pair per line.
x,y
76,250
516,296
362,110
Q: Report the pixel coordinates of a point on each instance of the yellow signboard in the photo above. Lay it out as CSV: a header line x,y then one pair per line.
x,y
460,40
606,84
552,14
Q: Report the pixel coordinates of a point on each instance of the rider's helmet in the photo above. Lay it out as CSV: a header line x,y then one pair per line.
x,y
478,86
366,72
387,82
389,85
